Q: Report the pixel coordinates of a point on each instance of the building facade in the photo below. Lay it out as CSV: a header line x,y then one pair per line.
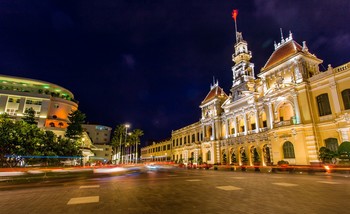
x,y
159,151
100,137
288,112
51,103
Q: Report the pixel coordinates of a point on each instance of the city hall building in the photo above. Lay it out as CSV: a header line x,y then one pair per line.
x,y
288,112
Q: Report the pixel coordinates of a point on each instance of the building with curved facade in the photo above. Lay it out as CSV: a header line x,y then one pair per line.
x,y
288,112
52,103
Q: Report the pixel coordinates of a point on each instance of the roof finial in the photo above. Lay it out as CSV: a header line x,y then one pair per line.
x,y
282,39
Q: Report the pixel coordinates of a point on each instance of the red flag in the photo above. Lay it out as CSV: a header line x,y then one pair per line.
x,y
234,14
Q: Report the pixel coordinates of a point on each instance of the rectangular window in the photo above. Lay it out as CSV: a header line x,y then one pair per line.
x,y
346,98
253,126
323,105
264,123
242,128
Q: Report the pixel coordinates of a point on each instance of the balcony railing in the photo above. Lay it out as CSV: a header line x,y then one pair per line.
x,y
283,123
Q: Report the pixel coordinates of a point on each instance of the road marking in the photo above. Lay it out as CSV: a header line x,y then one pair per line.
x,y
237,177
90,186
286,184
328,182
84,200
194,180
228,188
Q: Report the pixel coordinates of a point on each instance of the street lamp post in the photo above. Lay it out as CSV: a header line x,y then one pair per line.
x,y
126,133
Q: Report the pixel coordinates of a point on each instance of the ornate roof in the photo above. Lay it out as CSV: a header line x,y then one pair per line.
x,y
215,92
283,52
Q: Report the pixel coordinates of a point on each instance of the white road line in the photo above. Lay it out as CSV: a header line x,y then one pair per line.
x,y
90,186
286,184
194,180
84,200
228,188
328,182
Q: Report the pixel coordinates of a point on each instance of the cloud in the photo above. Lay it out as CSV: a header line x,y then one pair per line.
x,y
129,61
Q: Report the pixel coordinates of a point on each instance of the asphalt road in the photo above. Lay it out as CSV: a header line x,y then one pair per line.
x,y
181,191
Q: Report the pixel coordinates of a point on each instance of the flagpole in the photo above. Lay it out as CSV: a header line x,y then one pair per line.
x,y
234,16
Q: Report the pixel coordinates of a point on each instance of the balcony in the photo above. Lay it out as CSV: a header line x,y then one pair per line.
x,y
282,123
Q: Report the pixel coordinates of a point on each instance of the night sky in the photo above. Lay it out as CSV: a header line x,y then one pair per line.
x,y
150,62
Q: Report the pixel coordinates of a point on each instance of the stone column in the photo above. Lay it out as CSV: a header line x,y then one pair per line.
x,y
257,120
245,123
235,124
213,130
227,129
335,97
271,115
296,108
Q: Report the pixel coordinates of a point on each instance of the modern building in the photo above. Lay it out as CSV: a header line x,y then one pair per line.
x,y
288,112
100,137
52,103
159,151
98,134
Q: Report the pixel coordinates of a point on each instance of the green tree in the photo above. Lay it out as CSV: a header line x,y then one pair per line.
x,y
18,139
344,151
256,156
326,155
29,116
75,129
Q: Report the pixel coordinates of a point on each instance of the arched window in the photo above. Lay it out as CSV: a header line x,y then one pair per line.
x,y
332,144
346,98
288,150
52,124
208,155
323,105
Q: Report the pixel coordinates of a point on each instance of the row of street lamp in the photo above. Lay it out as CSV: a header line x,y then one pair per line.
x,y
121,157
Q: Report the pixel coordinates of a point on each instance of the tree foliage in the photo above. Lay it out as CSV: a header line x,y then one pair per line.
x,y
75,129
29,116
24,143
326,155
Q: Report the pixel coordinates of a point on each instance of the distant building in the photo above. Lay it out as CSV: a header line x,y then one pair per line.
x,y
288,112
100,137
99,134
159,151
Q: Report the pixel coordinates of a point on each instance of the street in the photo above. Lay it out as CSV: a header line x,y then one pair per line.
x,y
174,190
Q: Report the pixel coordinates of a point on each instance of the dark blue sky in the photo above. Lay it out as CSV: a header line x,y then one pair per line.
x,y
151,62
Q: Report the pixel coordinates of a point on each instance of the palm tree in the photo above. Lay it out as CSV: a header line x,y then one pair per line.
x,y
118,139
135,140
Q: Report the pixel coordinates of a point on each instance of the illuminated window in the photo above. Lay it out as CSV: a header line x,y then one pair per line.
x,y
332,144
288,150
208,156
323,105
346,98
